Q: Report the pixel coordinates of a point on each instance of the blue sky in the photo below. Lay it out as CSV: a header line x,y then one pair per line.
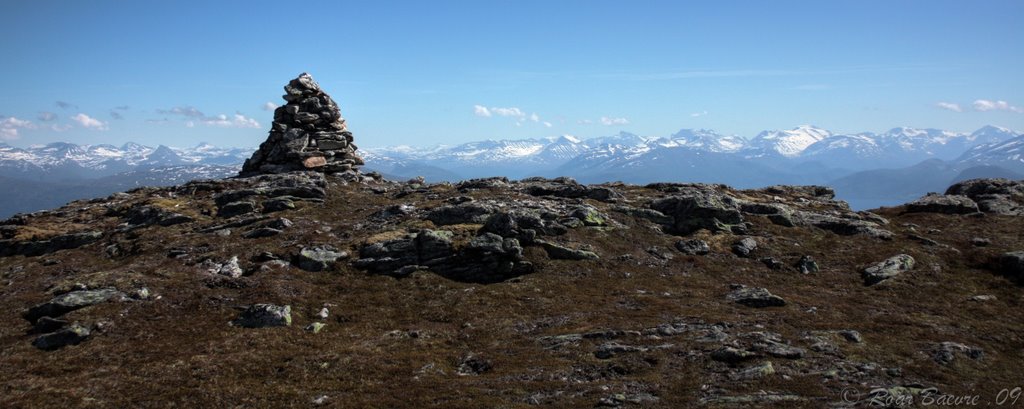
x,y
422,73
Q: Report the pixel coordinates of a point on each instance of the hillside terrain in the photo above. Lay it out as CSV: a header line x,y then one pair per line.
x,y
496,293
307,281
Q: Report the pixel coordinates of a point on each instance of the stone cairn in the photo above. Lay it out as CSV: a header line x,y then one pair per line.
x,y
308,133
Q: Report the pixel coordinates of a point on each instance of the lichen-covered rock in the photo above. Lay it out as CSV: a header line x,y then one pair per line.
x,y
807,265
264,315
70,335
994,196
696,209
319,258
64,303
948,204
887,269
693,247
1012,264
559,252
744,247
755,297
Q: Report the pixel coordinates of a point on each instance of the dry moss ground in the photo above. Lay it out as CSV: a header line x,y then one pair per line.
x,y
398,342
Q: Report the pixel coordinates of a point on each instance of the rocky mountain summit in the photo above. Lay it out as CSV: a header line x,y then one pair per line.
x,y
302,286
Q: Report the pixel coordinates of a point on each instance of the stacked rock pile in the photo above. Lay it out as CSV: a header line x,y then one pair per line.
x,y
308,133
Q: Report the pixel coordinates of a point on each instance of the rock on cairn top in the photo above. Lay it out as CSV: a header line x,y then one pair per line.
x,y
308,133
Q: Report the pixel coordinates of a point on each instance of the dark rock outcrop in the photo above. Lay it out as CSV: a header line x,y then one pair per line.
x,y
995,196
65,303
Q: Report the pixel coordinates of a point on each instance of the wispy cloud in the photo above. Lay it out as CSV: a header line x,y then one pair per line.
x,y
89,122
547,124
66,105
950,106
698,114
186,111
480,110
987,105
511,111
122,107
584,122
235,121
46,116
269,106
10,125
116,115
613,121
195,116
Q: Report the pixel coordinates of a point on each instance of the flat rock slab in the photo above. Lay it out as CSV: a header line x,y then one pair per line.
x,y
72,335
68,302
755,297
887,269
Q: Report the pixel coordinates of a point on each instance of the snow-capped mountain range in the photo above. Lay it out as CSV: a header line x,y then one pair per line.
x,y
63,160
803,155
802,146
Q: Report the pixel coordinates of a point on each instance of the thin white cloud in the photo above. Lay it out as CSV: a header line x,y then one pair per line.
x,y
987,105
10,125
613,121
511,111
186,111
60,127
547,124
584,122
698,114
235,121
534,117
950,106
480,110
89,122
47,116
269,106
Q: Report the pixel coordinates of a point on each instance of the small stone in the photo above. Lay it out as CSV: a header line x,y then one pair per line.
x,y
980,241
744,247
72,335
851,335
323,314
474,365
755,297
314,162
807,265
693,247
558,252
236,208
983,298
265,315
772,263
758,371
228,268
261,232
315,327
319,258
732,356
1012,264
278,204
